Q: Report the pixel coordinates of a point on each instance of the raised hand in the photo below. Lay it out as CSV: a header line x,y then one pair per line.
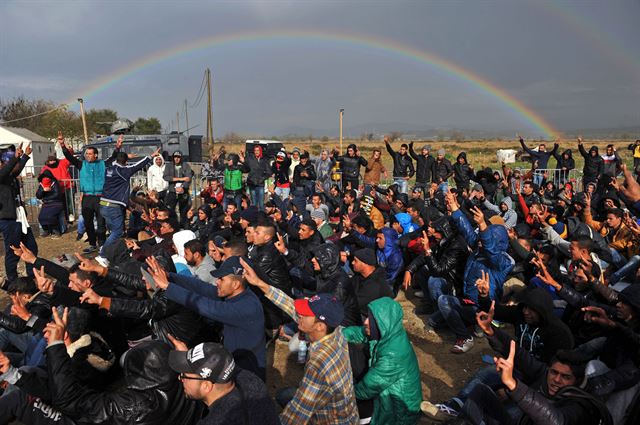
x,y
177,344
544,275
250,275
478,217
24,253
346,222
54,331
155,153
579,140
425,242
89,265
60,138
5,363
28,150
597,315
119,142
483,284
18,309
452,201
484,319
90,297
406,281
158,274
44,284
280,245
587,201
505,367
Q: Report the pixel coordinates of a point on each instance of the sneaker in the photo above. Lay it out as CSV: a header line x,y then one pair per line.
x,y
45,234
71,218
438,412
430,328
462,346
79,236
423,309
90,249
102,261
478,332
418,294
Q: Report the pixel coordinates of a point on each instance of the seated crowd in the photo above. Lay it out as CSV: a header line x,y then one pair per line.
x,y
172,321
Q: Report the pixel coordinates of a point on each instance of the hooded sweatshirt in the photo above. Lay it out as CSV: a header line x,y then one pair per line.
x,y
463,173
155,177
393,378
593,164
568,164
510,217
405,221
543,339
179,239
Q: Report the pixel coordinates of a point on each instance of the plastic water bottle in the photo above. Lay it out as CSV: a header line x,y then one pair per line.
x,y
302,352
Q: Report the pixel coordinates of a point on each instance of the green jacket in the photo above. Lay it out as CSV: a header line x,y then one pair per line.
x,y
393,378
232,178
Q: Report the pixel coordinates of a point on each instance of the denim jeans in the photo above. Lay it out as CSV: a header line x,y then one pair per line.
x,y
618,259
484,407
537,177
432,287
12,235
403,185
487,376
257,196
627,271
456,315
283,192
114,217
285,395
20,341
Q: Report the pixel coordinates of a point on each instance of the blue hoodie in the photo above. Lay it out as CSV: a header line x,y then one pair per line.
x,y
491,257
405,221
390,257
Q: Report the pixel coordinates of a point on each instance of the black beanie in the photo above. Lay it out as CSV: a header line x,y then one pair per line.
x,y
367,256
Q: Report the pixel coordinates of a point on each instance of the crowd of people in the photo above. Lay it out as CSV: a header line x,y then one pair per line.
x,y
171,321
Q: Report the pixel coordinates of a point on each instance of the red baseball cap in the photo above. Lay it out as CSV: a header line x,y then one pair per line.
x,y
302,307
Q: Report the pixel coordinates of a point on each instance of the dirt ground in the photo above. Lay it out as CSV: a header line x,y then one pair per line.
x,y
442,373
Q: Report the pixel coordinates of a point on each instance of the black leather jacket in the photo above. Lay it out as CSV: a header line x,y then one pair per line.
x,y
165,316
447,260
39,307
271,267
350,165
331,279
301,181
402,164
425,166
153,395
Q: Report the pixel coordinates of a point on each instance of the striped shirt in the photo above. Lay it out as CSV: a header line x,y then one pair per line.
x,y
326,394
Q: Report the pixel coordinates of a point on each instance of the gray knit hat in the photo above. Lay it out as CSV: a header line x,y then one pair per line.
x,y
441,152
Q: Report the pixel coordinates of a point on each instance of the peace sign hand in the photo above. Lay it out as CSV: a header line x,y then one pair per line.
x,y
24,253
159,275
484,319
54,331
18,309
280,245
483,284
425,242
505,367
44,284
89,265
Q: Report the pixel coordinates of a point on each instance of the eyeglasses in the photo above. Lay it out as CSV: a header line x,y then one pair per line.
x,y
184,377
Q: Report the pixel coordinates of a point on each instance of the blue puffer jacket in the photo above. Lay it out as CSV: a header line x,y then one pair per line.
x,y
489,255
389,258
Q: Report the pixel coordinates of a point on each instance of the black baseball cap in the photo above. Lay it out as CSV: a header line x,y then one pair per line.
x,y
209,360
230,266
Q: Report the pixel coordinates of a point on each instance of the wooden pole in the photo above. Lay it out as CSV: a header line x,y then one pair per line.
x,y
341,114
84,122
209,112
186,116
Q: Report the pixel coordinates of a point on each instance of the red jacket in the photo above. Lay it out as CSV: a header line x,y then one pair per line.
x,y
61,172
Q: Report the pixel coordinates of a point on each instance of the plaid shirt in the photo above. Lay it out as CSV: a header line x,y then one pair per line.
x,y
325,395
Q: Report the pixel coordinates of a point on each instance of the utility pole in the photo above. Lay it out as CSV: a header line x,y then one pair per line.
x,y
186,116
178,120
341,114
209,136
84,121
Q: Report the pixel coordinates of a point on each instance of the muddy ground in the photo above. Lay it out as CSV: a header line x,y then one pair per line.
x,y
442,373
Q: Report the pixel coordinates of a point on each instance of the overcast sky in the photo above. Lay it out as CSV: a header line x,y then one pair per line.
x,y
577,64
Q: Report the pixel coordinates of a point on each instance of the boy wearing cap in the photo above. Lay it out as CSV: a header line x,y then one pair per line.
x,y
326,393
233,395
179,175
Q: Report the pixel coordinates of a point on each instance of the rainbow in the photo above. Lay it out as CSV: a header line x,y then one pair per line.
x,y
517,107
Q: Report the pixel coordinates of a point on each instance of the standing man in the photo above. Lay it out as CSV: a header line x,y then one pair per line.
x,y
443,170
259,170
593,164
11,226
92,175
350,165
425,167
115,194
541,157
374,169
402,165
326,392
178,174
304,176
324,165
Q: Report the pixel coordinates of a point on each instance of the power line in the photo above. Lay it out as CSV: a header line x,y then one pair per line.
x,y
35,115
201,91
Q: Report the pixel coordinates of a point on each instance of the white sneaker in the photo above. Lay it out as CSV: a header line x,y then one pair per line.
x,y
462,346
102,261
71,218
418,294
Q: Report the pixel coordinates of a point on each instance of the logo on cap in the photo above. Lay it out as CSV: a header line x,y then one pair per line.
x,y
205,372
196,353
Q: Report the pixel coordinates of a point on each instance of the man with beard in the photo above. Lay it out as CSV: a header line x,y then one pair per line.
x,y
425,166
179,175
233,396
200,263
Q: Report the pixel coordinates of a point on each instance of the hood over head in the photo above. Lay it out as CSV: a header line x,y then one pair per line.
x,y
146,367
508,202
390,240
568,152
462,155
405,221
388,314
539,300
594,149
182,237
328,256
500,235
443,226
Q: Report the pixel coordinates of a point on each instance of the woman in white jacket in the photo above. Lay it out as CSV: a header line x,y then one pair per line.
x,y
155,179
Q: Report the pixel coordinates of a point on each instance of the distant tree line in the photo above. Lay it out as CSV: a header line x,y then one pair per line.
x,y
69,122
